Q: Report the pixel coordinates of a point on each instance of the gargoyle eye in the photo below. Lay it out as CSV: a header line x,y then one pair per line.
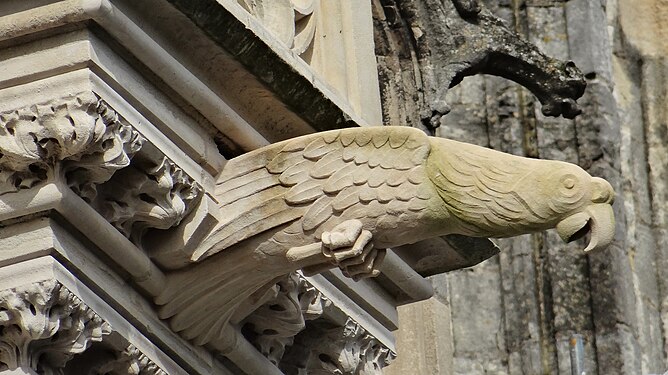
x,y
568,181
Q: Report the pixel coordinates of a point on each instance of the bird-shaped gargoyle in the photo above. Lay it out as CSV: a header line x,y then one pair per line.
x,y
340,198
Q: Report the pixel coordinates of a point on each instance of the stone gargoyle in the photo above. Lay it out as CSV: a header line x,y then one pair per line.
x,y
446,41
339,198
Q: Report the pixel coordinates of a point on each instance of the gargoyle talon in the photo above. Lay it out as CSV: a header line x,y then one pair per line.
x,y
370,268
349,247
362,268
357,250
358,259
343,235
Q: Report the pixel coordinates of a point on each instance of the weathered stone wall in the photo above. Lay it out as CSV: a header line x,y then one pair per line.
x,y
515,314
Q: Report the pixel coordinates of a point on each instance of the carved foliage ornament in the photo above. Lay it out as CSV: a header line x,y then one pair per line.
x,y
79,134
343,350
130,361
291,332
147,195
83,139
44,325
274,325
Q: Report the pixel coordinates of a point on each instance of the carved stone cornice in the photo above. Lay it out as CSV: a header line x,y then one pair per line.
x,y
77,135
43,325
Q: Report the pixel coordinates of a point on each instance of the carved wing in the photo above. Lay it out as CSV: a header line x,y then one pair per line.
x,y
315,178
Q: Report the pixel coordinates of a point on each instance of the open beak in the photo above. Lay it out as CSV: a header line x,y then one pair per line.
x,y
597,219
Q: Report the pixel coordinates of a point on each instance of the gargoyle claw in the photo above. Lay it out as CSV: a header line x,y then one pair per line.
x,y
349,246
343,235
368,268
354,254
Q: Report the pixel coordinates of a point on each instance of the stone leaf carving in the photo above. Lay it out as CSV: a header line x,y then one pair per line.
x,y
145,365
274,325
326,349
147,195
290,331
113,151
80,133
332,198
43,325
290,21
130,361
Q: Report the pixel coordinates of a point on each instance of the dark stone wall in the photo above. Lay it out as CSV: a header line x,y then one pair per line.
x,y
515,313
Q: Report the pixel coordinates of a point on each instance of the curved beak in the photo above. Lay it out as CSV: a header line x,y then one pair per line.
x,y
598,219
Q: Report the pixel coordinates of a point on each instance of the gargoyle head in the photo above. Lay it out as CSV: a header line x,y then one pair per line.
x,y
500,195
565,192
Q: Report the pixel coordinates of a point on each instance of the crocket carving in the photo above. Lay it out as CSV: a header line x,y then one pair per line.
x,y
342,197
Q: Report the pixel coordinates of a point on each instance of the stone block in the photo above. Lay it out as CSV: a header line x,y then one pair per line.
x,y
425,343
477,308
547,30
588,39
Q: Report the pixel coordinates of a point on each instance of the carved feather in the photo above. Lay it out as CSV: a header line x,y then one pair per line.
x,y
314,178
318,213
304,192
